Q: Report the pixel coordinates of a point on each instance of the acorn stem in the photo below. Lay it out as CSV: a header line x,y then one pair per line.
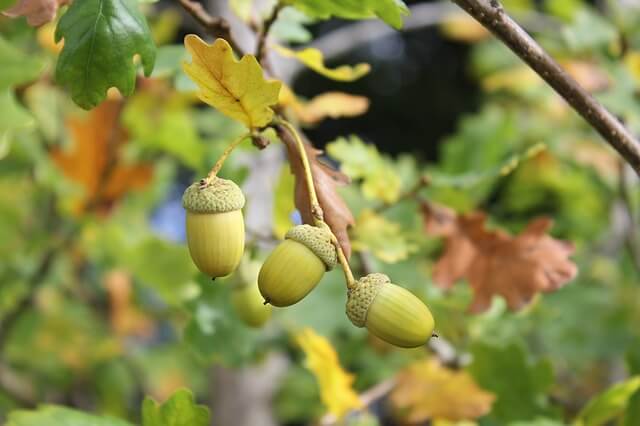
x,y
216,167
316,210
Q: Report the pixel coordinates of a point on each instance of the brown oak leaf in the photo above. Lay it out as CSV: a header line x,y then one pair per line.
x,y
94,162
427,390
37,12
326,179
496,263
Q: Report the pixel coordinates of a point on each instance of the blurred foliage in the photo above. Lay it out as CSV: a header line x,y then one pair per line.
x,y
100,304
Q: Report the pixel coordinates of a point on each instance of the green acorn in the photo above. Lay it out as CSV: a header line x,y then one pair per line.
x,y
296,266
246,298
215,227
390,312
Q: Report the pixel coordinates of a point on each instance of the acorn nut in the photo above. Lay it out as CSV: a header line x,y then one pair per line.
x,y
389,311
296,266
215,227
246,298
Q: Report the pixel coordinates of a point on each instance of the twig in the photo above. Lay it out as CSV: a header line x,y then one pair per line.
x,y
316,209
631,234
492,16
367,398
228,150
264,31
214,25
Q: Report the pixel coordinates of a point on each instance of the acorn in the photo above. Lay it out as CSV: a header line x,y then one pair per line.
x,y
215,228
296,265
389,311
246,298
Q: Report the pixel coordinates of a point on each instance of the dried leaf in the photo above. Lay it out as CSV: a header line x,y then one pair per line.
x,y
314,59
335,384
336,213
236,88
427,390
330,104
94,162
496,263
37,12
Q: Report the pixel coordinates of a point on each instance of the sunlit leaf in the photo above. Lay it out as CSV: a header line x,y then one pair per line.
x,y
384,239
313,58
610,404
236,88
335,384
179,410
427,390
390,11
101,38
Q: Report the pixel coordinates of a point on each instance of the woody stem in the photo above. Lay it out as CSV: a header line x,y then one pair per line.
x,y
316,210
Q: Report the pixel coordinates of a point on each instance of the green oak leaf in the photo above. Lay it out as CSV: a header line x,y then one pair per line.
x,y
179,410
17,66
101,38
390,11
610,404
53,415
520,386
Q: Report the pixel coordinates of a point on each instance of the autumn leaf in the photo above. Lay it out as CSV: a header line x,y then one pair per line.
x,y
94,162
383,238
314,59
236,88
326,180
427,390
496,263
126,319
335,384
37,12
330,104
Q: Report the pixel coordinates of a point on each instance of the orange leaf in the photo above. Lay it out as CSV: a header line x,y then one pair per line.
x,y
94,163
37,12
326,180
496,263
427,390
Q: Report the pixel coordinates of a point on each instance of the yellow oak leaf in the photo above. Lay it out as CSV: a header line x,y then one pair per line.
x,y
314,59
329,104
236,88
335,384
428,390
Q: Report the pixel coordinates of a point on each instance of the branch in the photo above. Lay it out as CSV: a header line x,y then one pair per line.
x,y
216,26
264,31
631,234
492,16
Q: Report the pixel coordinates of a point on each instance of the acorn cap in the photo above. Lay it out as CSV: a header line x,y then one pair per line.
x,y
318,240
219,196
362,296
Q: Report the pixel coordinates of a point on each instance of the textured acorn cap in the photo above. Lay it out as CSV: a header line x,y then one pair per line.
x,y
219,196
318,240
362,296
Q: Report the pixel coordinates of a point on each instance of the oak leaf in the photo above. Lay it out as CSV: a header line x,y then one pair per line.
x,y
314,59
329,104
37,12
94,162
335,384
236,88
326,180
427,390
496,263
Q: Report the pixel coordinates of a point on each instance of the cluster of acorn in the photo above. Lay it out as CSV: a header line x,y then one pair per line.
x,y
215,235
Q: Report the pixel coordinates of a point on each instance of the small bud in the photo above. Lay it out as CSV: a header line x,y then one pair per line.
x,y
215,227
297,265
390,312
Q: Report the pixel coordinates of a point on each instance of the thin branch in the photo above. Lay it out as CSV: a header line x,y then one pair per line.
x,y
216,167
216,26
492,16
368,397
264,31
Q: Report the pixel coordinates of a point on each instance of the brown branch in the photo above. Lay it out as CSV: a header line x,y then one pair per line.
x,y
215,26
492,16
264,31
